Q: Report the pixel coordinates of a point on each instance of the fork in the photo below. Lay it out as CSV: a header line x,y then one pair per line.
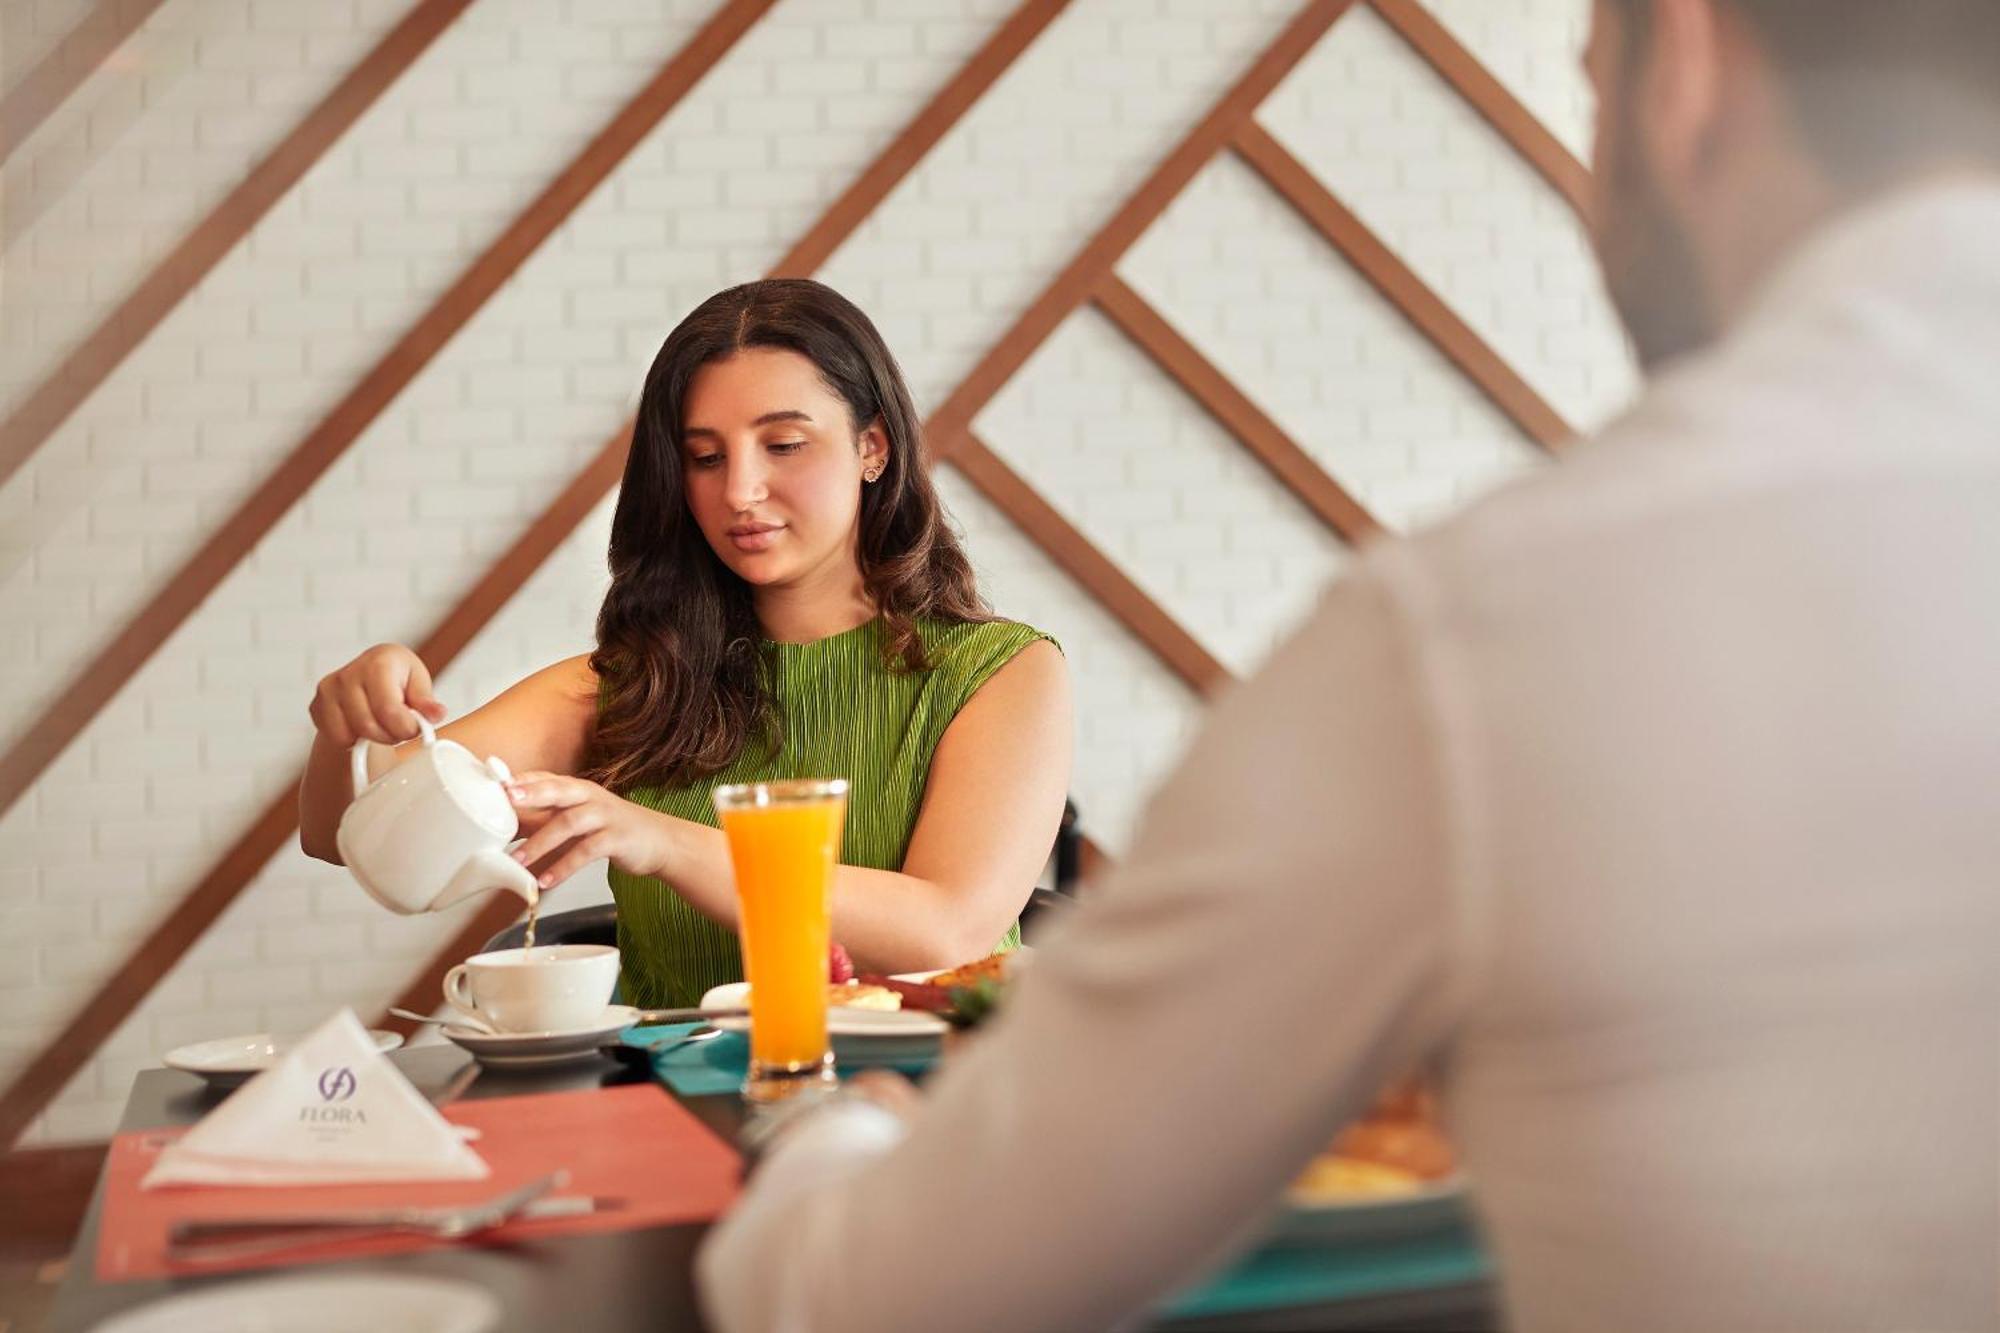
x,y
208,1238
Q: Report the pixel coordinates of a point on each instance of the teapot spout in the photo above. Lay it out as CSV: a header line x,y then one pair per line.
x,y
485,870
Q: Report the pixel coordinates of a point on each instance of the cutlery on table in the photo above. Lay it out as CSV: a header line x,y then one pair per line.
x,y
226,1238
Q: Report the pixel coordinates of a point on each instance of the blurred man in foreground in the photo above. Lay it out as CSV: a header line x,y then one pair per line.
x,y
1659,798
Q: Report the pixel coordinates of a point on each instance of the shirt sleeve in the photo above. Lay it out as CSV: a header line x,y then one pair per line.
x,y
1280,943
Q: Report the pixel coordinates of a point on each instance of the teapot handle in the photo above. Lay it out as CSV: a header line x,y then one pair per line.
x,y
357,758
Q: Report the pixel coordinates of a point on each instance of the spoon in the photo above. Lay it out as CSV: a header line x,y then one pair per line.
x,y
456,1020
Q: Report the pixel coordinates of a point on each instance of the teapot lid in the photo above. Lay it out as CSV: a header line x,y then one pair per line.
x,y
476,788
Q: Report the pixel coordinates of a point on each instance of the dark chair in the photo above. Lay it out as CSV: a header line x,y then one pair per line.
x,y
582,925
1068,870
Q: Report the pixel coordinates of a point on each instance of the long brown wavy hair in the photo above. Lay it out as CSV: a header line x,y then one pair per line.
x,y
683,671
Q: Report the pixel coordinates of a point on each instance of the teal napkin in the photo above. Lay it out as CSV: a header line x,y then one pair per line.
x,y
1279,1277
718,1065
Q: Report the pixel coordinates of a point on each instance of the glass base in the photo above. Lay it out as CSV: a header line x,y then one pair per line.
x,y
769,1082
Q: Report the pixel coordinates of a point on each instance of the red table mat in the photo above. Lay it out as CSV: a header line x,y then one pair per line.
x,y
634,1144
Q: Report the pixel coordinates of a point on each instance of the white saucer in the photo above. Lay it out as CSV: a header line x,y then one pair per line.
x,y
860,1036
227,1061
525,1050
337,1304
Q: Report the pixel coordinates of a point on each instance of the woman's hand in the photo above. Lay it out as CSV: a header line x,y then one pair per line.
x,y
573,822
375,697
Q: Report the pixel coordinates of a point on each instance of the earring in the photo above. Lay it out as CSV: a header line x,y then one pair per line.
x,y
872,473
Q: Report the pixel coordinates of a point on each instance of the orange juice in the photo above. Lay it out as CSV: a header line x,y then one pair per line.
x,y
784,840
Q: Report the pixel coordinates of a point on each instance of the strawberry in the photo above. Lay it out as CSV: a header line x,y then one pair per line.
x,y
839,967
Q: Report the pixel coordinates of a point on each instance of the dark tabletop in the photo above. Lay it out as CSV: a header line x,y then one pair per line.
x,y
620,1280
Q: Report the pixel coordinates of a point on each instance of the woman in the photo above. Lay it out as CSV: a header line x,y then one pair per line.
x,y
786,600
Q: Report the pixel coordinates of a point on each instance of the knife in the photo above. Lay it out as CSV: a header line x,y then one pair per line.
x,y
648,1017
242,1237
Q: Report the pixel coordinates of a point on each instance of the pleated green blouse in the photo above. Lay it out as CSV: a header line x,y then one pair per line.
x,y
846,715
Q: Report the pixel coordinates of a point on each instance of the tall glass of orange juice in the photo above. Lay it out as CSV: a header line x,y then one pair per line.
x,y
784,840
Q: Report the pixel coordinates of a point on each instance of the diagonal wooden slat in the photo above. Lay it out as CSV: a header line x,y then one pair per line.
x,y
1074,553
1403,288
952,422
59,73
39,415
1294,468
1520,127
826,236
238,535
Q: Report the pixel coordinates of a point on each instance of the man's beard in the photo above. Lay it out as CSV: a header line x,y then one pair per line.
x,y
1649,266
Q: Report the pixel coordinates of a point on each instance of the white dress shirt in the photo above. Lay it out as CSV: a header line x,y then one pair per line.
x,y
1657,796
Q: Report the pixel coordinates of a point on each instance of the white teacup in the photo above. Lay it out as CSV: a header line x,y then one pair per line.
x,y
550,988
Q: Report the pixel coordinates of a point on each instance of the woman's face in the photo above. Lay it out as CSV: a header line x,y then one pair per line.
x,y
772,468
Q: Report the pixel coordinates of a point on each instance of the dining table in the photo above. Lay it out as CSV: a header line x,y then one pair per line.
x,y
643,1277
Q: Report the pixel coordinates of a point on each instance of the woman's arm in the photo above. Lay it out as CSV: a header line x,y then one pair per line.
x,y
992,804
542,722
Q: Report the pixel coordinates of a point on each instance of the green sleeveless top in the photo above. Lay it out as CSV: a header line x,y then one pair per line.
x,y
846,715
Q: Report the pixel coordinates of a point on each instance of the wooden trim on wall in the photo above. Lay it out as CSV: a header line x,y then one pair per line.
x,y
1298,471
44,410
951,424
1101,577
62,71
1520,127
1403,289
96,684
44,1193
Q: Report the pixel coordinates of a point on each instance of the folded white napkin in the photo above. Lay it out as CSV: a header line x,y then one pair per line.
x,y
332,1110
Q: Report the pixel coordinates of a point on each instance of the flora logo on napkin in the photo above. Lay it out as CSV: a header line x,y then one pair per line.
x,y
336,1085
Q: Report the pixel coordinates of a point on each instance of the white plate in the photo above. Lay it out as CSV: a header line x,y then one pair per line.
x,y
860,1036
349,1303
1307,1220
228,1061
525,1050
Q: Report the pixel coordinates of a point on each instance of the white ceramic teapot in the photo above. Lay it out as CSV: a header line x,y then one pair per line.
x,y
433,830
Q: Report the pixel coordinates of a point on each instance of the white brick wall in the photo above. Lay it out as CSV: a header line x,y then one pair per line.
x,y
141,805
1162,490
1277,308
1474,220
1533,47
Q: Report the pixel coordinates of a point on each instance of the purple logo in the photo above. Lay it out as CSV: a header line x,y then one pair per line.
x,y
336,1084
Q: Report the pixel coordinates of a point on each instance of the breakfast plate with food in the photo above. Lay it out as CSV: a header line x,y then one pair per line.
x,y
866,1023
1392,1173
885,1019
